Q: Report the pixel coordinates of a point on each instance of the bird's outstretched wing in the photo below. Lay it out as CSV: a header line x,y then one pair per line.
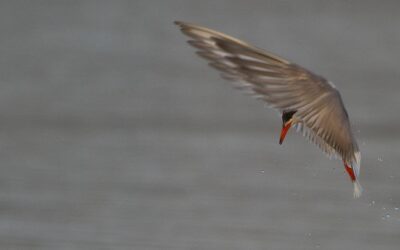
x,y
284,86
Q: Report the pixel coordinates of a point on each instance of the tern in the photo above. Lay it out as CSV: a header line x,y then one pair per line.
x,y
306,101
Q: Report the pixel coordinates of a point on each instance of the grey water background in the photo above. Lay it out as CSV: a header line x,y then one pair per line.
x,y
114,135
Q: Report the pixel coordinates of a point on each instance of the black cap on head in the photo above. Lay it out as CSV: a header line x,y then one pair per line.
x,y
287,115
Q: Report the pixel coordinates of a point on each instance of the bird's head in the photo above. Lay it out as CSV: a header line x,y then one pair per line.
x,y
287,122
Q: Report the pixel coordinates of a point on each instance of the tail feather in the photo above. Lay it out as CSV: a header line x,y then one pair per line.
x,y
356,163
357,189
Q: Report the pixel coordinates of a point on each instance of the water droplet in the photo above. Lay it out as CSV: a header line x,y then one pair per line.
x,y
309,234
262,171
396,209
380,159
387,216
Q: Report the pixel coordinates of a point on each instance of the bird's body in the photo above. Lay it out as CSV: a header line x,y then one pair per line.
x,y
306,100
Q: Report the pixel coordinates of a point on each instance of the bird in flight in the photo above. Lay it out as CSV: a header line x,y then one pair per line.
x,y
307,101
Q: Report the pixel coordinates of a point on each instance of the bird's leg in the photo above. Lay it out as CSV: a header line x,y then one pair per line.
x,y
349,171
357,187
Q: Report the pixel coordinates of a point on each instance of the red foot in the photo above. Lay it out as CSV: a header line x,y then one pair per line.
x,y
350,172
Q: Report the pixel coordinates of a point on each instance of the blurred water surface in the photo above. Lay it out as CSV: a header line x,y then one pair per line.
x,y
115,136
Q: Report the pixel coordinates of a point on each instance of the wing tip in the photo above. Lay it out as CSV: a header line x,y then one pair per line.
x,y
184,25
179,23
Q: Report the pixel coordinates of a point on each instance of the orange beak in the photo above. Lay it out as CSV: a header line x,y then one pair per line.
x,y
284,131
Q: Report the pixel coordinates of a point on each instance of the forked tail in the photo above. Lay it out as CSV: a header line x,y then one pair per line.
x,y
357,189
